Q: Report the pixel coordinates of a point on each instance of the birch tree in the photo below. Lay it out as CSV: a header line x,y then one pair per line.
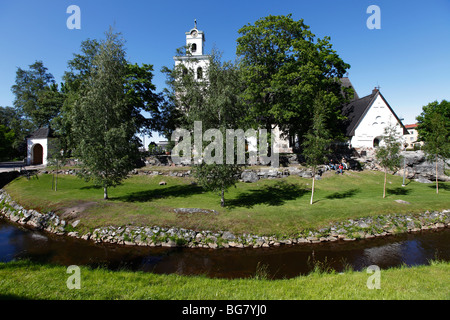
x,y
388,154
103,120
316,140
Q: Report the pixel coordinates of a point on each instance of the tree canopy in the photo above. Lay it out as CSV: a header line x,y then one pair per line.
x,y
215,101
317,141
36,95
388,153
433,129
103,121
283,67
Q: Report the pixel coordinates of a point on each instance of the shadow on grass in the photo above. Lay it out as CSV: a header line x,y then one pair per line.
x,y
343,195
400,191
441,186
149,195
274,195
91,187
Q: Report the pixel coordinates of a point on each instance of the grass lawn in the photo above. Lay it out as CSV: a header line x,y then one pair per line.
x,y
26,280
266,207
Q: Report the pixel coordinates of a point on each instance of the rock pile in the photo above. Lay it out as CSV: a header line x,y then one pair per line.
x,y
415,166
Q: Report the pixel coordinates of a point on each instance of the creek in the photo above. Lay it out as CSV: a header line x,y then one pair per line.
x,y
287,261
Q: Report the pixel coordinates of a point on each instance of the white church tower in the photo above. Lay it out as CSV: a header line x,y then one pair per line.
x,y
195,58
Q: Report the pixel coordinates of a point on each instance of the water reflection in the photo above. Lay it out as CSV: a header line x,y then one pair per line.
x,y
17,242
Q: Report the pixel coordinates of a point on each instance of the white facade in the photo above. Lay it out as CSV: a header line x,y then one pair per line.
x,y
37,151
412,136
370,130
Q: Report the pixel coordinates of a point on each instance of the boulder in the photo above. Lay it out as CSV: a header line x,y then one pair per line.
x,y
402,201
228,236
423,180
75,223
194,210
249,176
422,170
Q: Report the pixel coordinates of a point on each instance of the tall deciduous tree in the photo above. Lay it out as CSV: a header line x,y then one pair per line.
x,y
36,95
12,120
317,141
388,154
433,128
138,86
283,67
6,143
103,121
215,102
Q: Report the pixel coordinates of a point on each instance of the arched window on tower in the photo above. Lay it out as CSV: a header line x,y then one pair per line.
x,y
199,73
194,47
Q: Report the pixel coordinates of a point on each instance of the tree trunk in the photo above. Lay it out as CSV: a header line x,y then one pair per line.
x,y
56,180
105,193
437,184
384,188
312,193
222,201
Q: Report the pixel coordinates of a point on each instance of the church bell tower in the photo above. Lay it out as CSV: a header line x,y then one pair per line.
x,y
195,40
195,58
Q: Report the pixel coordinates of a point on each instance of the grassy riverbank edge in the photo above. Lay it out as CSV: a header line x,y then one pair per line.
x,y
338,215
28,280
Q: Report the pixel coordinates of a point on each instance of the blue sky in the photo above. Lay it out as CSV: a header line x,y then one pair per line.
x,y
409,57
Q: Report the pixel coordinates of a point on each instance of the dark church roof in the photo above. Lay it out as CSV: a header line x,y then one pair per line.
x,y
355,112
41,133
345,82
357,109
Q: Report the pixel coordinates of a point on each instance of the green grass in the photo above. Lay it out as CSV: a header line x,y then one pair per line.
x,y
270,206
26,280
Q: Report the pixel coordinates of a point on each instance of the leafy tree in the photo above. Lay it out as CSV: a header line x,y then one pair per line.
x,y
388,154
6,143
11,119
7,116
215,102
138,86
56,156
283,67
141,97
36,95
182,96
102,119
317,140
433,128
218,177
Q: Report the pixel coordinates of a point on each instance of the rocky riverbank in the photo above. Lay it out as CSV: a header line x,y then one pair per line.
x,y
349,230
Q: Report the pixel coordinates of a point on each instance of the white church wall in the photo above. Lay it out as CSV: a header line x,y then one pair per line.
x,y
193,63
31,143
372,126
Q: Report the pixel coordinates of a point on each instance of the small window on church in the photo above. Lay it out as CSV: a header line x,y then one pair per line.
x,y
194,47
199,73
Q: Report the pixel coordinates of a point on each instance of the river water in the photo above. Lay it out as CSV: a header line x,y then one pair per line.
x,y
17,242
